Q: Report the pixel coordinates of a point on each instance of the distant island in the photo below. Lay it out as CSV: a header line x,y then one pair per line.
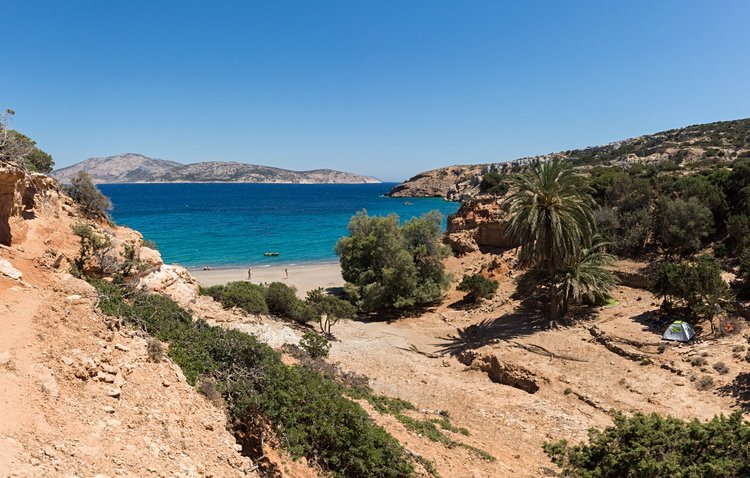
x,y
137,168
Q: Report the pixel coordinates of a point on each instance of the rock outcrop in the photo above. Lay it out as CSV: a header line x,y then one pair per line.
x,y
479,223
136,168
20,194
452,183
503,373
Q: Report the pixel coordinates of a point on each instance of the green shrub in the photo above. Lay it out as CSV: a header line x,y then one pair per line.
x,y
315,344
249,297
477,287
17,147
95,250
83,191
281,299
681,226
389,266
150,244
650,446
697,285
215,291
494,183
309,412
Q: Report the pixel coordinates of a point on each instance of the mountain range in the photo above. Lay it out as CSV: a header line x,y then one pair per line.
x,y
137,168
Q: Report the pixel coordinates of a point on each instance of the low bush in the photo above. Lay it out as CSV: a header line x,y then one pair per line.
x,y
309,412
494,183
281,299
249,297
721,367
706,382
698,361
84,192
651,446
155,351
477,287
315,344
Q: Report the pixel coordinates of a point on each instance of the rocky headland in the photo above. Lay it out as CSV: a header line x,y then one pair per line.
x,y
721,141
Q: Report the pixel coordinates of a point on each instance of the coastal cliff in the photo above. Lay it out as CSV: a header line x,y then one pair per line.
x,y
716,142
136,168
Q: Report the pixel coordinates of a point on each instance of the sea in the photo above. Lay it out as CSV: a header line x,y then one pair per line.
x,y
221,225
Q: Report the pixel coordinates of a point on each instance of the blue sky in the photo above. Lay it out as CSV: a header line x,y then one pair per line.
x,y
386,88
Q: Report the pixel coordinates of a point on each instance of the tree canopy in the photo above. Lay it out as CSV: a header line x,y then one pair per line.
x,y
19,148
390,266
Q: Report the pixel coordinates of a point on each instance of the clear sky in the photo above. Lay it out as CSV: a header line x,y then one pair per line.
x,y
386,88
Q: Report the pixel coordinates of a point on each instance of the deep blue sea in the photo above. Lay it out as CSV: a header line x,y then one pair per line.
x,y
226,225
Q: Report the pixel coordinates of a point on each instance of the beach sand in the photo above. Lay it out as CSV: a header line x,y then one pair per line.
x,y
304,277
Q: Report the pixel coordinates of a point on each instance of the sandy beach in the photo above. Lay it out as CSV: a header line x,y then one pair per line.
x,y
303,277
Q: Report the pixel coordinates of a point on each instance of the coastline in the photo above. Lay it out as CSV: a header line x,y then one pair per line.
x,y
304,277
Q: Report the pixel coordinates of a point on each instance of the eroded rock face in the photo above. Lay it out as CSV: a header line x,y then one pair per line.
x,y
11,193
478,223
20,194
512,375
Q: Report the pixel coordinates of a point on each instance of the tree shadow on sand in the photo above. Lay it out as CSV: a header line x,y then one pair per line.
x,y
526,320
508,326
739,389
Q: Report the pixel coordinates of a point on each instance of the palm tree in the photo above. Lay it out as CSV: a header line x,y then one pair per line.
x,y
551,215
584,276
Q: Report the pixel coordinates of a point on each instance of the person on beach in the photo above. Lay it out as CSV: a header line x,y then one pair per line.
x,y
286,273
249,274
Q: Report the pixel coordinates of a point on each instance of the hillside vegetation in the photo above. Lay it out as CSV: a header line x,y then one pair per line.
x,y
711,142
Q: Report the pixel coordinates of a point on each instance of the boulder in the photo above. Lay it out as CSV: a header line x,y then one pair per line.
x,y
174,282
7,269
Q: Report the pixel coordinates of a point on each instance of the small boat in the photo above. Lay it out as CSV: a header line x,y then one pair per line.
x,y
407,203
269,254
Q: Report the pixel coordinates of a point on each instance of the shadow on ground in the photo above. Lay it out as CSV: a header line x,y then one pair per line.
x,y
508,326
739,389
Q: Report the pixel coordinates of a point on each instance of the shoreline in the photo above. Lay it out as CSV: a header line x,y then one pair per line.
x,y
304,276
259,265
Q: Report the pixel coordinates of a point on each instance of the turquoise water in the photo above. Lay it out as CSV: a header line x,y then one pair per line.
x,y
232,225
